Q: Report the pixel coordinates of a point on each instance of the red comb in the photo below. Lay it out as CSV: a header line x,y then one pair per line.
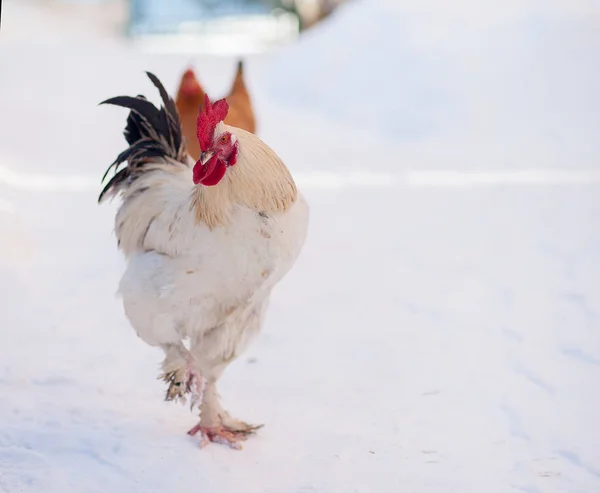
x,y
189,73
208,118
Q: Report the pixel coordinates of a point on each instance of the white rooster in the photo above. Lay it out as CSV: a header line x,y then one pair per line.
x,y
205,242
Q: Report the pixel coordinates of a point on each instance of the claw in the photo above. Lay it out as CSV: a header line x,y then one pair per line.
x,y
223,435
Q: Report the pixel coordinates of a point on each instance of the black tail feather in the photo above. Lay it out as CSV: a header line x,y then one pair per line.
x,y
150,132
169,110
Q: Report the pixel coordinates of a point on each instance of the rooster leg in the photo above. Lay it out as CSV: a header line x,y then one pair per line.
x,y
217,425
182,375
214,351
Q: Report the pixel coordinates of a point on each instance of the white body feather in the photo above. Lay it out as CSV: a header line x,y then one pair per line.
x,y
208,279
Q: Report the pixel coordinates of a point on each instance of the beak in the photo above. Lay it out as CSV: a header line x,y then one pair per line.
x,y
205,156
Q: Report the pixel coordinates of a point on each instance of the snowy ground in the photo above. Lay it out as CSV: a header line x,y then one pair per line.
x,y
440,333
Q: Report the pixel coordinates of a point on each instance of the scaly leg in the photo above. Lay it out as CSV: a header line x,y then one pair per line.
x,y
214,350
216,425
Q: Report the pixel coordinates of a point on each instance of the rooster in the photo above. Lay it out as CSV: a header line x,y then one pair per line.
x,y
190,97
205,242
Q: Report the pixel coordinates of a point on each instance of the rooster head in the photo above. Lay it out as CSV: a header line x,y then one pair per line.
x,y
219,146
190,88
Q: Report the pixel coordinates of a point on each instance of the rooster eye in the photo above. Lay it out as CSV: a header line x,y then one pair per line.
x,y
224,139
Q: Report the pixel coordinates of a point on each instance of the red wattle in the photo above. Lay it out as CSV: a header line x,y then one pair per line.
x,y
209,174
216,176
201,171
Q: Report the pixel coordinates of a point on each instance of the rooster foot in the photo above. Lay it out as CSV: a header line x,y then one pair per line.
x,y
184,381
224,435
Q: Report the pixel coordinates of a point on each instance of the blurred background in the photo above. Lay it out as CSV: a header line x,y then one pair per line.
x,y
440,332
197,25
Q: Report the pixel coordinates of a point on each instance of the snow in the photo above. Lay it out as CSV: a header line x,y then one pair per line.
x,y
440,331
457,85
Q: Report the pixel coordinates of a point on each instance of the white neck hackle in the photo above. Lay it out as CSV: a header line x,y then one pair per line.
x,y
259,181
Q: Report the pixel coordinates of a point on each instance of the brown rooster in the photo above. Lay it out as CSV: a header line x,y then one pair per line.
x,y
190,98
